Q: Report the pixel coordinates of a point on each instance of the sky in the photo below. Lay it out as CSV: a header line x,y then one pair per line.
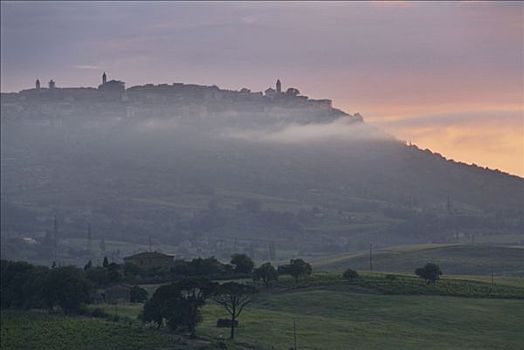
x,y
447,76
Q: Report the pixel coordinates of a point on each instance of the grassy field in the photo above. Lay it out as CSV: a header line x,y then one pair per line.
x,y
499,280
37,330
452,258
338,320
330,319
376,312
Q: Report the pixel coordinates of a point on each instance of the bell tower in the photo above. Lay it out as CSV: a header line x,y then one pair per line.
x,y
104,78
279,86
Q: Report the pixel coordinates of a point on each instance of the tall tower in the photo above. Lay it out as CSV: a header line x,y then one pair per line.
x,y
37,84
89,239
104,78
279,86
55,238
55,228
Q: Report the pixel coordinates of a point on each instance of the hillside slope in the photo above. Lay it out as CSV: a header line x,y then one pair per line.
x,y
212,171
452,259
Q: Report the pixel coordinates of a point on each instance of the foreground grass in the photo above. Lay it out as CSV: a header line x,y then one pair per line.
x,y
329,319
38,330
376,312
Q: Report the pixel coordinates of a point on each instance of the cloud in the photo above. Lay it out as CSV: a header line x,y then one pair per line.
x,y
466,117
392,4
86,66
340,129
249,19
156,124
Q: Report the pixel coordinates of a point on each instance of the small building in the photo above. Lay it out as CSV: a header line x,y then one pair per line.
x,y
150,260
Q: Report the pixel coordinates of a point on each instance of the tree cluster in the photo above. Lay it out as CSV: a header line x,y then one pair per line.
x,y
178,304
297,268
27,286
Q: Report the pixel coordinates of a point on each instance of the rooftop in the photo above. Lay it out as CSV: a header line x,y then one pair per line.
x,y
149,255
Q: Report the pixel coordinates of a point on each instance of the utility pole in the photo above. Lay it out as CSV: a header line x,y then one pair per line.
x,y
272,251
370,256
89,239
294,335
491,258
55,238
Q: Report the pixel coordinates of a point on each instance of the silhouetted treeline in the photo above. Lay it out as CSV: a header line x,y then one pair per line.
x,y
26,286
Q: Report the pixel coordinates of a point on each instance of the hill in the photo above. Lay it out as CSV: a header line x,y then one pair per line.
x,y
210,171
452,258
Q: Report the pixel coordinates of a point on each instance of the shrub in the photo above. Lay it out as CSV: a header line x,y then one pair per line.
x,y
350,275
430,273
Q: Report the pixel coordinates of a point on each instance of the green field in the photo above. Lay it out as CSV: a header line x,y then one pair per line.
x,y
377,311
452,258
337,320
336,316
37,330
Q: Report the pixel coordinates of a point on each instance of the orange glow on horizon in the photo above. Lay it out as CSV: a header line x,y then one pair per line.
x,y
496,143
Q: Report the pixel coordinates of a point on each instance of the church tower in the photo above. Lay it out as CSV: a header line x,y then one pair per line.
x,y
279,87
37,84
104,78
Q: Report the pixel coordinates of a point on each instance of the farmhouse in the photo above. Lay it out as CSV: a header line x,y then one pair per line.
x,y
150,260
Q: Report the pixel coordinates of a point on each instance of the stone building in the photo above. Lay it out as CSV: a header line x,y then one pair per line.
x,y
150,260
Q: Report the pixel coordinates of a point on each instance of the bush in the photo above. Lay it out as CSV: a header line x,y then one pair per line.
x,y
430,273
350,275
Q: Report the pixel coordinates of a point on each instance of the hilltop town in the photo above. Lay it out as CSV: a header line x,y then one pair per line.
x,y
181,101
